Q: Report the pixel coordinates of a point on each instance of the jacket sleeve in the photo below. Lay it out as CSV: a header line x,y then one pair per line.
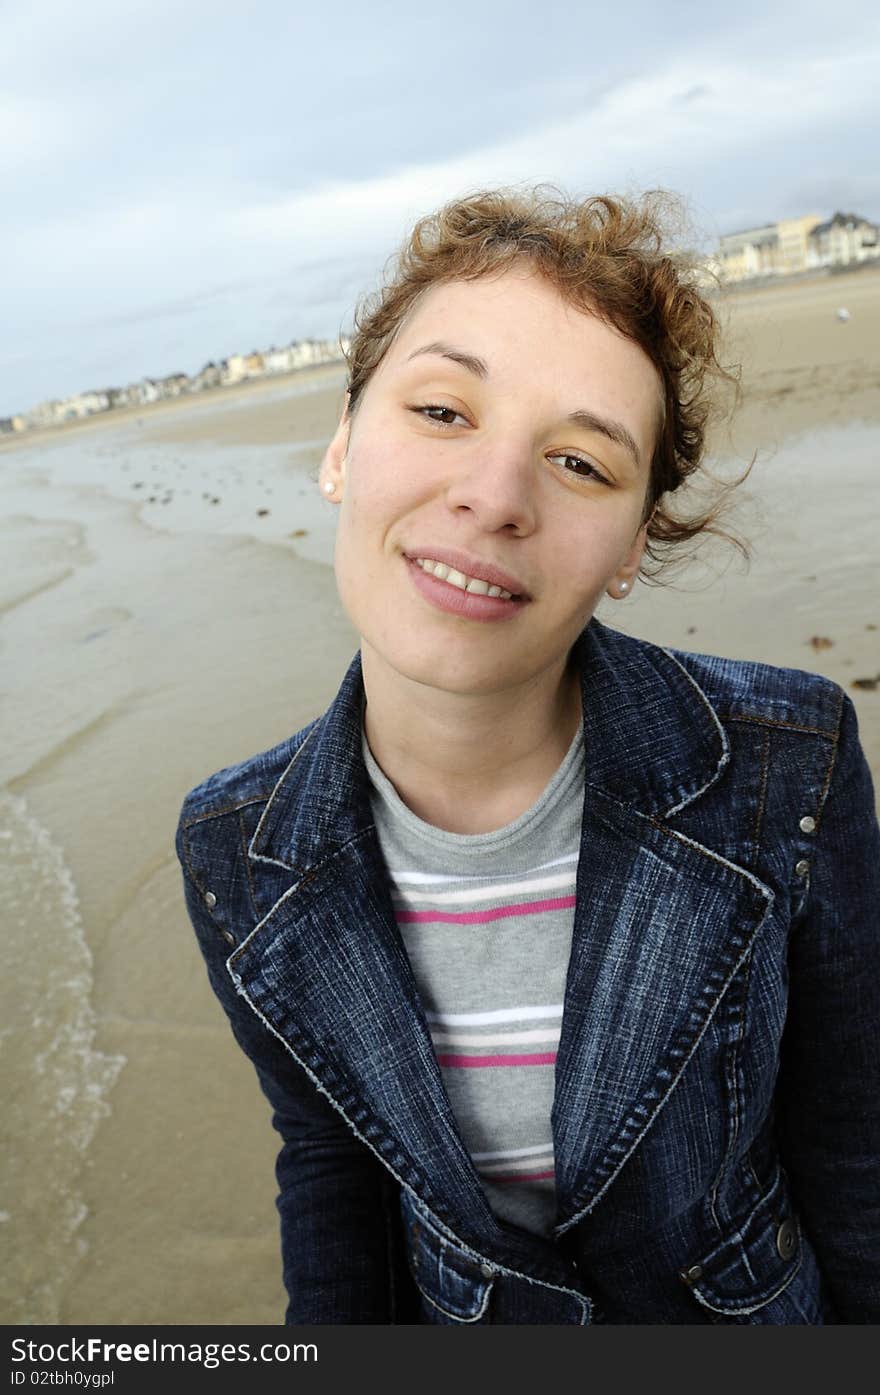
x,y
828,1101
337,1203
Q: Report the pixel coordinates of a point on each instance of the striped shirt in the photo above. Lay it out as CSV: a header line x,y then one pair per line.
x,y
486,920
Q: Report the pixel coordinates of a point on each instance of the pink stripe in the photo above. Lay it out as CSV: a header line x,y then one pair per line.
x,y
541,1058
555,903
519,1177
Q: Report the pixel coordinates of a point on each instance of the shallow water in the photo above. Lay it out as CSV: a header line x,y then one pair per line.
x,y
56,1086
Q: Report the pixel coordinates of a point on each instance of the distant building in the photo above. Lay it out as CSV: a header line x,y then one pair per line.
x,y
278,360
794,242
45,414
211,376
122,397
795,245
845,238
173,385
751,253
233,369
227,372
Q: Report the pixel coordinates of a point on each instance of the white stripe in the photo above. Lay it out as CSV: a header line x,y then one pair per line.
x,y
494,1039
525,1165
429,878
513,1152
485,893
475,1019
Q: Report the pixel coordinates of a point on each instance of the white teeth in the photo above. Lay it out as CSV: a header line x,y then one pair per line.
x,y
464,583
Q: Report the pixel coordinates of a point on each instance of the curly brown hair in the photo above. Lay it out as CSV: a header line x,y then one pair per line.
x,y
608,256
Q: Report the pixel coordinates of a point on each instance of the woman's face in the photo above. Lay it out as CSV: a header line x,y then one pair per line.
x,y
503,429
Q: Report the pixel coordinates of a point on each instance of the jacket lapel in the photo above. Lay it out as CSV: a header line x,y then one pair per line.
x,y
661,924
328,971
660,929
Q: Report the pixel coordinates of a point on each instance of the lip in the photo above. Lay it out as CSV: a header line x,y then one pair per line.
x,y
473,566
466,605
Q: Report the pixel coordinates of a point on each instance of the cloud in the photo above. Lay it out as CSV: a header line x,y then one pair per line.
x,y
187,176
638,129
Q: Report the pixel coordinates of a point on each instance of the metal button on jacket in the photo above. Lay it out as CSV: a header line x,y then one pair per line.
x,y
802,867
487,1271
210,899
786,1239
807,824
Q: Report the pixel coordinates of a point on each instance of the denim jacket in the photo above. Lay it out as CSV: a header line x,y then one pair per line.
x,y
716,1117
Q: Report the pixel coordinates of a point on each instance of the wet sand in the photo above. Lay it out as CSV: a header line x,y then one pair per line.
x,y
152,635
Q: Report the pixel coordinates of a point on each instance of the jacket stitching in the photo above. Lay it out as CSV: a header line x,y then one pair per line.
x,y
455,1316
444,1234
225,809
191,873
755,1307
833,759
271,799
709,853
777,722
501,1268
725,743
802,891
246,859
762,800
766,751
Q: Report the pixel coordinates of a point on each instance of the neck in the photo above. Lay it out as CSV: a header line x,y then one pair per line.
x,y
469,762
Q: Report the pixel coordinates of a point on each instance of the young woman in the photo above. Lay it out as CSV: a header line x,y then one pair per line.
x,y
555,951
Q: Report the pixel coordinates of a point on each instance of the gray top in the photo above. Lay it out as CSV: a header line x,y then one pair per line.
x,y
486,919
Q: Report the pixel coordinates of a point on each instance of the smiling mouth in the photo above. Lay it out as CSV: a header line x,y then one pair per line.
x,y
473,584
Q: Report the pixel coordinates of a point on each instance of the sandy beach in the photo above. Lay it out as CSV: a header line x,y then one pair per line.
x,y
168,608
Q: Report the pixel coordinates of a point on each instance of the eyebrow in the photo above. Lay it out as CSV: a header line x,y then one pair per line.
x,y
613,430
586,420
471,362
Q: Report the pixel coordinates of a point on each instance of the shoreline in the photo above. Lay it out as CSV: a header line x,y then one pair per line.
x,y
209,400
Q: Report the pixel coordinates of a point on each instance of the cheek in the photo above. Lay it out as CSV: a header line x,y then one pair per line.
x,y
379,480
589,554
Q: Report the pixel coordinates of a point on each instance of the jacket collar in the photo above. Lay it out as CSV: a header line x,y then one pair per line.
x,y
653,743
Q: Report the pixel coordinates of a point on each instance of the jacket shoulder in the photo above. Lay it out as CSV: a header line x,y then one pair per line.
x,y
250,781
769,693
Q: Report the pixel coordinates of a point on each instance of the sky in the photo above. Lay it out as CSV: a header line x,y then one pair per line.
x,y
183,181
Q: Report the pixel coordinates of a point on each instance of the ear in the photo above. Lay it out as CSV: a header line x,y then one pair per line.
x,y
628,567
333,464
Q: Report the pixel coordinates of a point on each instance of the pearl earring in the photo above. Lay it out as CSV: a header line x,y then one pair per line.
x,y
623,587
329,487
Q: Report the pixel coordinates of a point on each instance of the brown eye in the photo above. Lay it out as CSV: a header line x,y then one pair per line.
x,y
444,416
577,465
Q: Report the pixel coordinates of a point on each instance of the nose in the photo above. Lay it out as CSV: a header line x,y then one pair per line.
x,y
497,483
